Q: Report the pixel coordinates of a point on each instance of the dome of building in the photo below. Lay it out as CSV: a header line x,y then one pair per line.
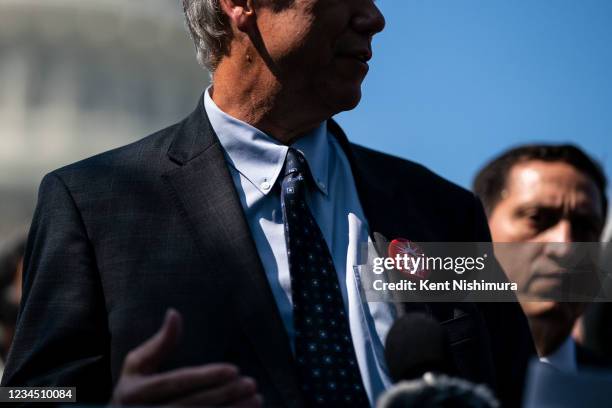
x,y
81,77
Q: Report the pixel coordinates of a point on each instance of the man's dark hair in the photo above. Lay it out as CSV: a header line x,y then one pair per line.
x,y
491,180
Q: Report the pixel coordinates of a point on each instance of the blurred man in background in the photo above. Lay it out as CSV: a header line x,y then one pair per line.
x,y
552,195
11,265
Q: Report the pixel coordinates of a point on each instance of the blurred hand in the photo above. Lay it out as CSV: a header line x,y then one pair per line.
x,y
209,385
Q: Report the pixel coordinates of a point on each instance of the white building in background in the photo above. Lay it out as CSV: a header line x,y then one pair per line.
x,y
78,77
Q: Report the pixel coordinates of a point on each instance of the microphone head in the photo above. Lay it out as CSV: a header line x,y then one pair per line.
x,y
441,391
417,344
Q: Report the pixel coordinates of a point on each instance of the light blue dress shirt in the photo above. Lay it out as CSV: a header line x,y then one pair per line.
x,y
256,161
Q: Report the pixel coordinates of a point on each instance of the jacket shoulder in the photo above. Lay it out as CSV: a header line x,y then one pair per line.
x,y
143,157
410,175
154,144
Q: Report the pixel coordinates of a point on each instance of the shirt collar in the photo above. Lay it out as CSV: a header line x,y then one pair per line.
x,y
564,357
259,157
316,149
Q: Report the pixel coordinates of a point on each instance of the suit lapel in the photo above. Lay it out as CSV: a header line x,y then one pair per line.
x,y
386,219
204,191
379,195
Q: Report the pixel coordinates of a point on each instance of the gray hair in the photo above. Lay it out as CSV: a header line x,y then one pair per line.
x,y
209,29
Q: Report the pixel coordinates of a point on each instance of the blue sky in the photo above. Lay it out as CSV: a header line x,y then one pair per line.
x,y
453,83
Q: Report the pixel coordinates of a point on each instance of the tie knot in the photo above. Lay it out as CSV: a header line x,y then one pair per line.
x,y
295,163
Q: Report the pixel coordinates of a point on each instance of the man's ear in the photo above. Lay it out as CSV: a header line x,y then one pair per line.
x,y
240,12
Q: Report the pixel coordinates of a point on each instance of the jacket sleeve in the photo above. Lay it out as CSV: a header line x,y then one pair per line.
x,y
62,336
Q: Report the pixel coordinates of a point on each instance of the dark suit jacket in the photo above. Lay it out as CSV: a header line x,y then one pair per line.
x,y
586,359
120,237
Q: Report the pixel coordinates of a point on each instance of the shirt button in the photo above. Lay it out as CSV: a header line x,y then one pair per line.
x,y
265,185
321,184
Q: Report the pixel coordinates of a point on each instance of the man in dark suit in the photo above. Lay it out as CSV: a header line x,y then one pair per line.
x,y
244,219
551,198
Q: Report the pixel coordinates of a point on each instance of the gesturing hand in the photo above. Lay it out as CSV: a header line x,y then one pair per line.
x,y
209,385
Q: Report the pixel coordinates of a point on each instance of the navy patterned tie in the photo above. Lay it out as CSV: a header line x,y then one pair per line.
x,y
327,367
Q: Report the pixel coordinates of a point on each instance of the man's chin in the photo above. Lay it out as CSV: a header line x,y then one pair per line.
x,y
348,99
552,310
540,308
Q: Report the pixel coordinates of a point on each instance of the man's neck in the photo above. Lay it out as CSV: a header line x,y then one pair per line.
x,y
260,100
548,335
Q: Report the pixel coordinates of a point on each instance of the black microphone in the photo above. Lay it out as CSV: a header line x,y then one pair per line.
x,y
417,344
420,361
